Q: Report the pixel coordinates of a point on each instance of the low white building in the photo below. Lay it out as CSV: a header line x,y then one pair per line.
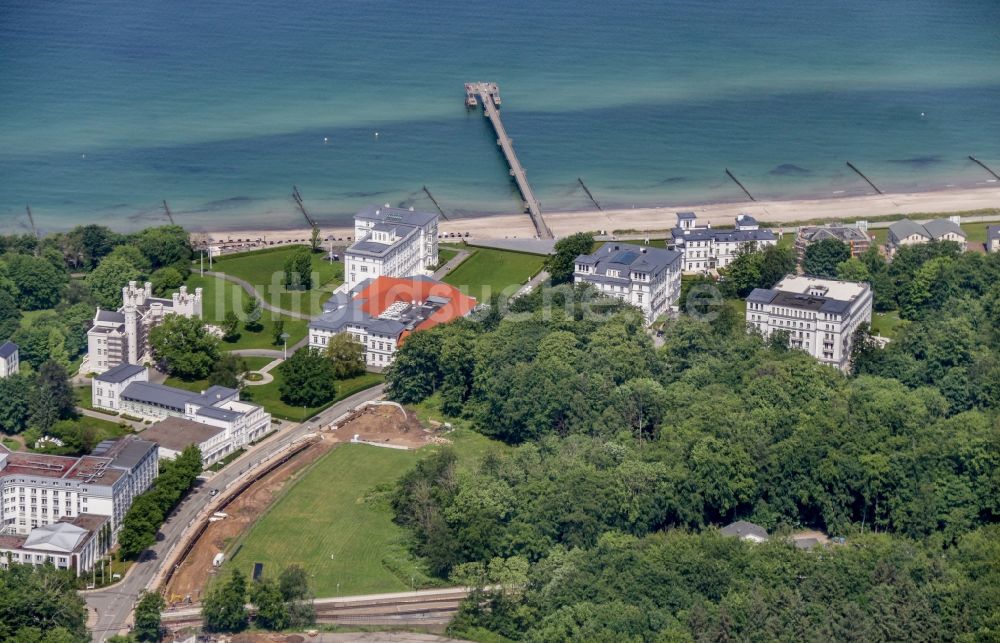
x,y
122,336
391,242
909,233
993,238
107,387
9,359
706,248
73,544
647,278
819,315
131,393
175,434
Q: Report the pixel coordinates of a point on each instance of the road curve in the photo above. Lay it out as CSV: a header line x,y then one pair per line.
x,y
113,605
253,292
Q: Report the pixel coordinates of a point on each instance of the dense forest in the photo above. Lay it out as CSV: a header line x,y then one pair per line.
x,y
598,521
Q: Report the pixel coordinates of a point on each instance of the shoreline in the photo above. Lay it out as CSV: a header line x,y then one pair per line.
x,y
662,218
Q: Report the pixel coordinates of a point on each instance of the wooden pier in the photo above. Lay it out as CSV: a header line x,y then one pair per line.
x,y
488,94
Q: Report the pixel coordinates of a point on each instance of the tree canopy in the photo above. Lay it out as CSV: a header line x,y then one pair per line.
x,y
560,265
184,347
822,257
307,378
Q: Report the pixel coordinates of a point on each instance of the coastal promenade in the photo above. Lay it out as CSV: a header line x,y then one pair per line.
x,y
662,218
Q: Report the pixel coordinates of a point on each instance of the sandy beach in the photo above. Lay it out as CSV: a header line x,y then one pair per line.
x,y
505,226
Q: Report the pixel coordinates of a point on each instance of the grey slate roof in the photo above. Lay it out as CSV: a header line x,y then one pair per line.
x,y
905,228
395,215
722,236
119,373
761,295
744,529
840,232
745,219
627,257
157,394
940,227
993,233
684,216
8,349
110,316
128,453
212,395
218,414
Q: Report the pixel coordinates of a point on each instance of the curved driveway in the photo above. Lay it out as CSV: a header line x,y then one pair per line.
x,y
253,292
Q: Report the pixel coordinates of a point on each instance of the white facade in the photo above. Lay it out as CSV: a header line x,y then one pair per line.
x,y
106,390
241,422
705,248
9,359
391,242
819,315
122,336
647,278
993,238
908,233
380,344
38,490
74,545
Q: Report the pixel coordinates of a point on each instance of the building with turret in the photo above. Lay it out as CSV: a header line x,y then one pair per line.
x,y
122,336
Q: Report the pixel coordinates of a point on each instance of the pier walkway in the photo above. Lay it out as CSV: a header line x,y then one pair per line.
x,y
489,95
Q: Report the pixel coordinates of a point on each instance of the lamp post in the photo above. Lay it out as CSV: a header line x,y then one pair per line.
x,y
284,339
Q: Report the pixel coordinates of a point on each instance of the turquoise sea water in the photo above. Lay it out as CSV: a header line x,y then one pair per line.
x,y
109,106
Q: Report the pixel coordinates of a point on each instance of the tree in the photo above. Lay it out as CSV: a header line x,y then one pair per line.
x,y
56,347
272,613
131,255
743,273
415,374
184,347
231,326
560,265
347,355
294,583
821,258
15,407
277,330
165,245
252,311
40,602
307,378
853,270
147,617
298,270
314,239
778,261
224,609
89,244
39,285
52,398
165,280
228,371
107,280
10,315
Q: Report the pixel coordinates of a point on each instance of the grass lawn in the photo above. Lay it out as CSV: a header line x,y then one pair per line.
x,y
220,296
489,271
269,395
265,270
469,445
253,364
11,444
445,255
886,324
28,317
329,523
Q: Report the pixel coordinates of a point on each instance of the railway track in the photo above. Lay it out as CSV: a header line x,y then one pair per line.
x,y
427,607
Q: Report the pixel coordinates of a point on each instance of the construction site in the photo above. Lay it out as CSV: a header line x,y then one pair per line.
x,y
376,427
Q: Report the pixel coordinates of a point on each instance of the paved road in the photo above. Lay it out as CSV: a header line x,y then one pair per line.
x,y
533,283
113,605
452,264
271,352
247,286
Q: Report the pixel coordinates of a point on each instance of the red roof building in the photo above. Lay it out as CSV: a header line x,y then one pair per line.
x,y
386,311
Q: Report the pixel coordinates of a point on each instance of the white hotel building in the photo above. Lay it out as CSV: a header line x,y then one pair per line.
x,y
126,389
53,508
391,242
819,315
647,278
706,248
